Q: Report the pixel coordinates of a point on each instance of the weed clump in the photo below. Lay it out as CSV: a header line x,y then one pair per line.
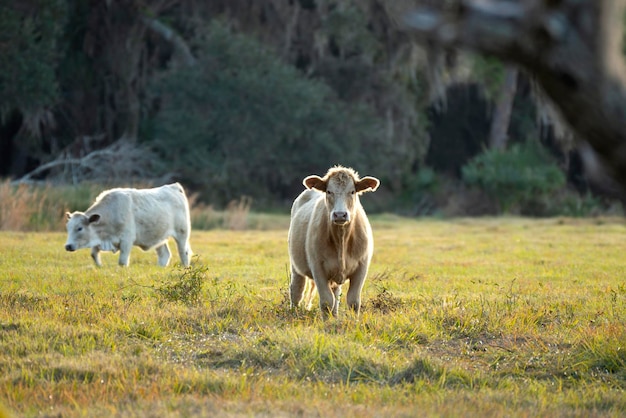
x,y
385,302
184,285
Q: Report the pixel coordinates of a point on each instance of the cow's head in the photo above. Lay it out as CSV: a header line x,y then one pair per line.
x,y
79,233
342,186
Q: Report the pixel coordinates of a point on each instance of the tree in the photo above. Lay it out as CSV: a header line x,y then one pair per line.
x,y
29,53
498,136
242,122
572,48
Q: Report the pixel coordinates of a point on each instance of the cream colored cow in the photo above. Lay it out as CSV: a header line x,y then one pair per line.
x,y
330,240
121,218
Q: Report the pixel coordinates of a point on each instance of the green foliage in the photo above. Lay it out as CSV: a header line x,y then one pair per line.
x,y
515,177
29,53
419,191
489,72
576,205
241,122
346,25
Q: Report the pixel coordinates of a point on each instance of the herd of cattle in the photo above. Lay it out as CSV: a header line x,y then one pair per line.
x,y
330,237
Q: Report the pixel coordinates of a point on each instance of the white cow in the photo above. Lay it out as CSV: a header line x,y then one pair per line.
x,y
121,218
330,239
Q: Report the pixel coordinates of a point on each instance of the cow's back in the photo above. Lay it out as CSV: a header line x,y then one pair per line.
x,y
159,213
149,215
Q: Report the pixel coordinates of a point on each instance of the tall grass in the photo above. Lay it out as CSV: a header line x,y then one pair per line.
x,y
42,208
235,217
26,207
18,206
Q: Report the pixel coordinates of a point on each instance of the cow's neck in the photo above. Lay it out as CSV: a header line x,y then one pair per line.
x,y
340,236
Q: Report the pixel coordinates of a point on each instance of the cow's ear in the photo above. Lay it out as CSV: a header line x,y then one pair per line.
x,y
315,182
94,218
68,216
367,184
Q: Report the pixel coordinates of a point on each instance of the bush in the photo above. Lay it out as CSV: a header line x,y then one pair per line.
x,y
516,178
240,122
183,285
419,193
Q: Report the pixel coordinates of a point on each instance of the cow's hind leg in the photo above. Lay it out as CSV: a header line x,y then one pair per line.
x,y
163,254
337,294
95,254
309,293
296,288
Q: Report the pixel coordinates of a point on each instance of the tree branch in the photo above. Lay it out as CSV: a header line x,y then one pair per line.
x,y
121,160
571,47
172,37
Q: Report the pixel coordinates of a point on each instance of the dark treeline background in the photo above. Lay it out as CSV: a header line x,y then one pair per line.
x,y
247,97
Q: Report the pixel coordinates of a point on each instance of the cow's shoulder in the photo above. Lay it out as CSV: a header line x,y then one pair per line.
x,y
306,200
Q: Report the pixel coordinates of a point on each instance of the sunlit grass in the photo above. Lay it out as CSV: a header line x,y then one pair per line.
x,y
499,317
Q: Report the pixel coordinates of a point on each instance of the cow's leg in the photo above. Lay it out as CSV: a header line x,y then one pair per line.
x,y
163,254
95,254
309,294
337,294
184,249
296,287
356,285
125,247
327,297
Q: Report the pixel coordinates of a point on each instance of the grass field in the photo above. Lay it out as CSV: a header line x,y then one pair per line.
x,y
468,317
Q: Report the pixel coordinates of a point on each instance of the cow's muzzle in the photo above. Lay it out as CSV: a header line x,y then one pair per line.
x,y
340,217
69,247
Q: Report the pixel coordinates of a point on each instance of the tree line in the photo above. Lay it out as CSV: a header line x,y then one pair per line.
x,y
236,98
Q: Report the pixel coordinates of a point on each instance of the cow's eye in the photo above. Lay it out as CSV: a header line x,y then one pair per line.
x,y
80,228
329,193
352,192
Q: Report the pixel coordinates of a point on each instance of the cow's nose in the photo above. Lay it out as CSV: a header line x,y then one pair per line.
x,y
68,247
340,217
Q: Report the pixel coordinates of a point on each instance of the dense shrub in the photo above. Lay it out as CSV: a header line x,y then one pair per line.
x,y
518,177
242,122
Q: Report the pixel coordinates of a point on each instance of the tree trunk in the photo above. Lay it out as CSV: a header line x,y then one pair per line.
x,y
571,47
498,136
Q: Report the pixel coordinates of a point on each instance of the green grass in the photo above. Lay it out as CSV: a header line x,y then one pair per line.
x,y
492,317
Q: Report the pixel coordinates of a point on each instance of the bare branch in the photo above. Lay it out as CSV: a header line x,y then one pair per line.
x,y
121,161
172,37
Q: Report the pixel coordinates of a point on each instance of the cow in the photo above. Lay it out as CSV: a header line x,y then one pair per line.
x,y
330,240
123,217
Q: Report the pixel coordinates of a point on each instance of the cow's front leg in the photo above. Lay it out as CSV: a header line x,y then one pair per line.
x,y
327,297
95,254
357,280
163,254
125,247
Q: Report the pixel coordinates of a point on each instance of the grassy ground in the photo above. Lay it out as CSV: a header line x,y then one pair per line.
x,y
497,317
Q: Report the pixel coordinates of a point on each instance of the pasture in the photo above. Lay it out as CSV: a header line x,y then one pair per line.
x,y
466,317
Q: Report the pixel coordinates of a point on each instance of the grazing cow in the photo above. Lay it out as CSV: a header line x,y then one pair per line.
x,y
330,240
121,218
